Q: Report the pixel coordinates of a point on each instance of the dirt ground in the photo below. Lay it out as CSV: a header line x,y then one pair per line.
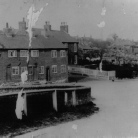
x,y
117,117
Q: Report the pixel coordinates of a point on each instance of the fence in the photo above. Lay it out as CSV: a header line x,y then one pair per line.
x,y
92,73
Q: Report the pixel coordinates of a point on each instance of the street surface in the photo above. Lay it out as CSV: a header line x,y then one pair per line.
x,y
117,117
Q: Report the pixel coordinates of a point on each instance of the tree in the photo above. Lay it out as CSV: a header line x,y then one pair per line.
x,y
114,36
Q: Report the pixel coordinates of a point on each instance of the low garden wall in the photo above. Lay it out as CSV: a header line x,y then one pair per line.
x,y
43,99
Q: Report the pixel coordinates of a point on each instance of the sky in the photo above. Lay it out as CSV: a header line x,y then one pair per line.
x,y
82,16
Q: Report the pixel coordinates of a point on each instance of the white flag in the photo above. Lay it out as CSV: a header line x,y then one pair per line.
x,y
101,24
24,76
103,11
21,105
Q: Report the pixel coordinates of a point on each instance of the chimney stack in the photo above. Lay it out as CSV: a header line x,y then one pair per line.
x,y
47,26
64,27
22,25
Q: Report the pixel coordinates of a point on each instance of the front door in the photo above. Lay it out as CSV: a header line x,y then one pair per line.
x,y
30,70
47,74
8,73
35,73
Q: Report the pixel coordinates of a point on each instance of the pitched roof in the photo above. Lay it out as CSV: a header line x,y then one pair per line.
x,y
22,42
59,35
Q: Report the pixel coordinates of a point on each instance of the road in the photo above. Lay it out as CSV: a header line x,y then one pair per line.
x,y
117,117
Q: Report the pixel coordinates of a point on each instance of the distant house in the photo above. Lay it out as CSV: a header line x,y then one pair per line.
x,y
63,36
48,56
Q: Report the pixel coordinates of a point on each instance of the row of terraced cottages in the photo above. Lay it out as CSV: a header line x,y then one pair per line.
x,y
48,56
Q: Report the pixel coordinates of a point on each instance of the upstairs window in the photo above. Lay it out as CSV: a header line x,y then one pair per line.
x,y
15,70
34,53
63,68
23,69
54,53
75,47
23,53
41,70
62,53
12,53
54,68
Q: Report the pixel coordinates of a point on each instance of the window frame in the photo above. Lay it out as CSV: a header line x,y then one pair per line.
x,y
15,67
53,66
14,55
53,55
32,54
25,53
63,68
42,69
62,53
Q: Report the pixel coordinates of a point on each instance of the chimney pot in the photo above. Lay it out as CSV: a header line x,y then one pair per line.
x,y
47,26
7,26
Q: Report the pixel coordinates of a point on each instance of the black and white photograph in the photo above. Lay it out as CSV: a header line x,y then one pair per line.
x,y
68,68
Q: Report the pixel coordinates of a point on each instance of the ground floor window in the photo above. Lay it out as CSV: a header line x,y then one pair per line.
x,y
15,70
54,68
41,70
63,68
23,69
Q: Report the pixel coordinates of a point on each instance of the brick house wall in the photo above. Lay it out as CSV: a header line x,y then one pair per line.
x,y
44,59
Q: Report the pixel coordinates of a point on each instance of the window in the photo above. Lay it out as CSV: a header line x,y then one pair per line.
x,y
41,70
15,70
23,69
62,53
23,53
54,68
54,53
75,59
63,68
34,53
75,47
12,53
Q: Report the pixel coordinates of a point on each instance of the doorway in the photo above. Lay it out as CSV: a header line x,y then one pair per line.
x,y
35,73
47,74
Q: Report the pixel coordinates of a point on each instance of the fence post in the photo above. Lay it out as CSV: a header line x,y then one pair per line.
x,y
54,95
74,102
